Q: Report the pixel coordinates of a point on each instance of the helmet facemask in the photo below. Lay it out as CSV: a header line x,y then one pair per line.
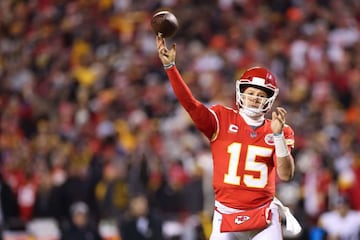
x,y
254,106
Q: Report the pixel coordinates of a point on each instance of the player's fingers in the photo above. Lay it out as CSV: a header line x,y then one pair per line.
x,y
281,110
278,117
173,48
163,42
157,41
159,45
162,50
281,120
280,113
158,37
274,115
160,41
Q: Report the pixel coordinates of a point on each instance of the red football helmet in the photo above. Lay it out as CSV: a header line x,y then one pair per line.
x,y
261,78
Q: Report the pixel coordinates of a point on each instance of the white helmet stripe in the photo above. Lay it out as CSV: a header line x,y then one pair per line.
x,y
258,81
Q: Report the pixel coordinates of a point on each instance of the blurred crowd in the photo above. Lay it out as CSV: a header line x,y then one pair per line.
x,y
89,123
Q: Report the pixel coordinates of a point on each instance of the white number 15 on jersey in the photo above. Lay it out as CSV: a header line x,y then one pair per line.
x,y
252,152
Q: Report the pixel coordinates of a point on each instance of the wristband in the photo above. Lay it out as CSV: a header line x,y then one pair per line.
x,y
170,65
281,149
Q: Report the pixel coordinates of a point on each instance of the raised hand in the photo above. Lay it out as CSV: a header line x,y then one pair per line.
x,y
167,56
278,119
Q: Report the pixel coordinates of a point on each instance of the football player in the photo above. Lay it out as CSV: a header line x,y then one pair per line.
x,y
248,151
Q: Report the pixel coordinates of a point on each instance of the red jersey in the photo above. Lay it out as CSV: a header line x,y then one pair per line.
x,y
244,161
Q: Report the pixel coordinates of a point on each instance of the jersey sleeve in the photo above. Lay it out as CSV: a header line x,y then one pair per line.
x,y
289,136
201,115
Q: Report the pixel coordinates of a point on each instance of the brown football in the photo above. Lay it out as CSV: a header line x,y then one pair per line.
x,y
164,22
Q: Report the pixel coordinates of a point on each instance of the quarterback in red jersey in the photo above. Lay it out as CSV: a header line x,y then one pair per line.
x,y
248,151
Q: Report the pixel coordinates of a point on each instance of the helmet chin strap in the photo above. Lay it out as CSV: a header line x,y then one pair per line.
x,y
251,117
